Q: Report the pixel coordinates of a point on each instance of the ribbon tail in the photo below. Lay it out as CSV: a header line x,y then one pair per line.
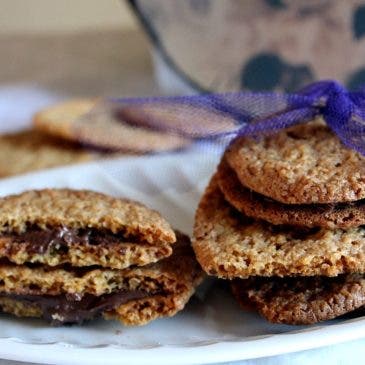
x,y
278,122
352,133
358,98
356,143
316,89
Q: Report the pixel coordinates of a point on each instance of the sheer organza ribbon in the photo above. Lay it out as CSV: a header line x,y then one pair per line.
x,y
255,114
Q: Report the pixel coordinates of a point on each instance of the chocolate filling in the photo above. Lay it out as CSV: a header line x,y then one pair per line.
x,y
71,309
58,239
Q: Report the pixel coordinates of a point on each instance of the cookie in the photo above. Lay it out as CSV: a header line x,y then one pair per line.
x,y
134,296
304,164
229,244
103,129
304,300
31,150
81,228
340,215
194,121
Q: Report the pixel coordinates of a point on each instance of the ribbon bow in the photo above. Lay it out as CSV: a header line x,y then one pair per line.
x,y
343,111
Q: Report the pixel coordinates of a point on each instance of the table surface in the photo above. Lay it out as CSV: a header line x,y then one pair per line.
x,y
36,70
95,63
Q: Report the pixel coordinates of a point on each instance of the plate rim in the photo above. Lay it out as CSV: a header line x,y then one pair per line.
x,y
270,345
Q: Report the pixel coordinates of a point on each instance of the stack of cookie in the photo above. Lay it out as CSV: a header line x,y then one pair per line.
x,y
282,218
70,256
102,127
30,150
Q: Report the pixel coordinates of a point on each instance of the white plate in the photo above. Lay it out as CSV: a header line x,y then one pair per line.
x,y
211,329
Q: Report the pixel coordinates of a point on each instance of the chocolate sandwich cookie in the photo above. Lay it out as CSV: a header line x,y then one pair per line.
x,y
81,228
301,300
107,131
135,295
336,215
230,245
32,150
304,164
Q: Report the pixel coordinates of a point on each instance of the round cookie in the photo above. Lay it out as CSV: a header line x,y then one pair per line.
x,y
304,300
340,215
304,164
102,129
228,244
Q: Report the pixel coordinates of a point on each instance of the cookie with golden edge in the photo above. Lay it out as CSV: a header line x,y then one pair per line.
x,y
229,244
134,296
304,164
81,228
301,300
31,150
73,121
193,121
340,215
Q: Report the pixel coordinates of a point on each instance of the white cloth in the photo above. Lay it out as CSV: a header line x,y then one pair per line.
x,y
19,102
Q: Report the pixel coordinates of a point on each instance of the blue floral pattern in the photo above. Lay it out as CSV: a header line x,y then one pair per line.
x,y
216,45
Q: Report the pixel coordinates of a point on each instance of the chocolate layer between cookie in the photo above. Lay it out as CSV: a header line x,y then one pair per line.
x,y
81,228
79,247
71,309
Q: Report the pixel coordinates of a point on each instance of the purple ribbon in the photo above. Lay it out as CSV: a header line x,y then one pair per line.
x,y
256,114
343,111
